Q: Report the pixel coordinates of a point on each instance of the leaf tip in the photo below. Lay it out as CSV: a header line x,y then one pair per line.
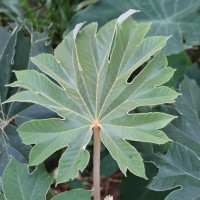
x,y
145,177
14,71
168,37
77,29
32,58
127,14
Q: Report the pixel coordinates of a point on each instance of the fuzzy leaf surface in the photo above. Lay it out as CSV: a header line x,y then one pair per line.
x,y
91,70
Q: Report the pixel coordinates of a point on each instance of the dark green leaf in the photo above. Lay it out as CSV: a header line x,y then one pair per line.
x,y
179,169
74,184
182,64
185,129
194,73
179,18
12,146
135,188
16,46
108,166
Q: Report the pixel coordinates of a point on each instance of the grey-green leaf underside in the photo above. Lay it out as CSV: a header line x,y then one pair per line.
x,y
91,71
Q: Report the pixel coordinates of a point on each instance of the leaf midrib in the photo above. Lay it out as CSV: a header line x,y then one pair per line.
x,y
59,133
116,78
79,150
117,148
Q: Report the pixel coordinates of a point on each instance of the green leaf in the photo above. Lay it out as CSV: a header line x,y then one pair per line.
x,y
16,46
108,166
91,89
194,73
18,183
74,194
185,129
12,145
176,18
179,169
2,197
135,188
182,63
75,184
11,9
7,52
54,134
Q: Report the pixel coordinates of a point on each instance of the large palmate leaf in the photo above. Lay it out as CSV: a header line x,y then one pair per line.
x,y
18,183
179,18
186,129
179,169
92,70
15,50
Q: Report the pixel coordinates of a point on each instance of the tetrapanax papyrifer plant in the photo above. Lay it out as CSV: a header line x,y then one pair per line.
x,y
91,94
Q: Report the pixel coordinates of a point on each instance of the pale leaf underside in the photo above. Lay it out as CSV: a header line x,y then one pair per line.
x,y
88,84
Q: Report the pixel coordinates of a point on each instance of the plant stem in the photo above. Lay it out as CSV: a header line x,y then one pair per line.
x,y
96,163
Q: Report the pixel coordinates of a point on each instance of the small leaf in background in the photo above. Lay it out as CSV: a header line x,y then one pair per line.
x,y
179,18
74,184
194,73
18,183
74,195
93,88
178,169
182,63
108,166
135,188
